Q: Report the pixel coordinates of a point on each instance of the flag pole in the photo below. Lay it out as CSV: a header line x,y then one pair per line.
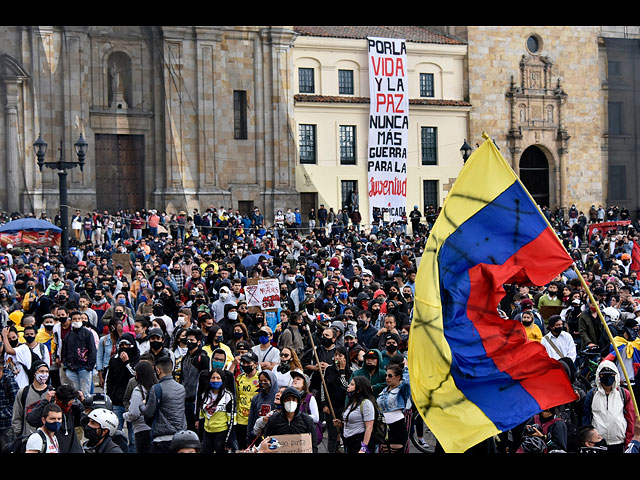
x,y
606,327
584,285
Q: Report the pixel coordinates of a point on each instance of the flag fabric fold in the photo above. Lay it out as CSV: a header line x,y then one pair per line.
x,y
474,374
635,257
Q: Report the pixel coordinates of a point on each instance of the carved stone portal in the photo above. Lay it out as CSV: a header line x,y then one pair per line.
x,y
536,119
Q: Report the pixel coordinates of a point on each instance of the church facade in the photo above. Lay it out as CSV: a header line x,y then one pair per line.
x,y
175,117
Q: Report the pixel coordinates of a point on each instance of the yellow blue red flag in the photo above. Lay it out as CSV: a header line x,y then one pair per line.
x,y
474,374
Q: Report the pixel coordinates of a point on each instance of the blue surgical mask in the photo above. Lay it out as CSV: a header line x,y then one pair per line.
x,y
215,385
343,296
263,340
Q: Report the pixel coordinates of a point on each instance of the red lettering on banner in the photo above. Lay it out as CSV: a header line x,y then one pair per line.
x,y
387,187
386,67
393,101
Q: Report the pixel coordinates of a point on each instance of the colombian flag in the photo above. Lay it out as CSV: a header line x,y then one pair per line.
x,y
472,373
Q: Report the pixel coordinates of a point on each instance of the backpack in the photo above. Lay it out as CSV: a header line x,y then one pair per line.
x,y
150,421
380,427
19,445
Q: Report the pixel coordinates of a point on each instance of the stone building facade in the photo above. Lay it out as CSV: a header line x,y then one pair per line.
x,y
538,92
175,117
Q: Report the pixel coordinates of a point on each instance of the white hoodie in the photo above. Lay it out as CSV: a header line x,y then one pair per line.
x,y
607,411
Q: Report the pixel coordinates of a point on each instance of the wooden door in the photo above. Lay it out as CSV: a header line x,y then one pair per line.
x,y
119,172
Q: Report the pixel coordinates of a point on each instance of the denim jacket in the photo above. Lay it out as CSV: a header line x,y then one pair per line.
x,y
104,352
398,398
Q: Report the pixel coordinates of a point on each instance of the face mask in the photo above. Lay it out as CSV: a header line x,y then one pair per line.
x,y
343,296
290,406
237,335
263,340
192,345
91,434
217,364
607,380
29,338
76,325
556,331
48,326
291,279
233,315
247,368
310,307
215,385
371,368
118,314
181,321
42,378
327,342
224,296
356,285
156,345
53,426
392,348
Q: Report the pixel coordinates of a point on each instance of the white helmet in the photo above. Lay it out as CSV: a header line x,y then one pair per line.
x,y
105,418
612,314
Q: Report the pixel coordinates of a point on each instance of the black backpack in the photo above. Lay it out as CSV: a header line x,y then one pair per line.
x,y
380,427
19,445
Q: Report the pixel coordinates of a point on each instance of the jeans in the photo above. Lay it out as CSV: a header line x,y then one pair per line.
x,y
119,411
81,379
137,233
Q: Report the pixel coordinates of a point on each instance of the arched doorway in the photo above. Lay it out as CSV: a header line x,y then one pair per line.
x,y
534,174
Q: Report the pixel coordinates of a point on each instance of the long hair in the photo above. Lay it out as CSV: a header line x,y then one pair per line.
x,y
204,387
295,363
363,392
145,374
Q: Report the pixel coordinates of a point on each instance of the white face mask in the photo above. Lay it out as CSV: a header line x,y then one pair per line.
x,y
181,321
233,315
76,324
356,285
290,406
224,295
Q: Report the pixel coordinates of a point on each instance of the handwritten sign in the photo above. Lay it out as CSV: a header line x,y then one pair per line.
x,y
300,443
264,294
388,127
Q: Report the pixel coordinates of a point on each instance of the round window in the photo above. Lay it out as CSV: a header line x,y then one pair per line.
x,y
534,44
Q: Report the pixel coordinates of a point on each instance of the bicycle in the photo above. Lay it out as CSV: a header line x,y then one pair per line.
x,y
418,426
587,364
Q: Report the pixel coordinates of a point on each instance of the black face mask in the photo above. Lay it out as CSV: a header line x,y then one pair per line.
x,y
156,345
327,342
48,326
247,368
607,380
392,348
371,368
192,345
29,338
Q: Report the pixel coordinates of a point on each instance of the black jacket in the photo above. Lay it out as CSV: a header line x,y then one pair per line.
x,y
79,349
278,424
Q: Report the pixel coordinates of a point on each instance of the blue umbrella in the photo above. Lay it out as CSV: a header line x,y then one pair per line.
x,y
251,260
28,225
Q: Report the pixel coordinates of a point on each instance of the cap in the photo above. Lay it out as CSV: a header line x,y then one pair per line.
x,y
156,332
371,354
243,345
250,356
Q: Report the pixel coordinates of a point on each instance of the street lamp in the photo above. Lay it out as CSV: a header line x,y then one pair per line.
x,y
80,147
465,150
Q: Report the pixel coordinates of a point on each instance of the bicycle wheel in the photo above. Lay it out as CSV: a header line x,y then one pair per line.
x,y
428,439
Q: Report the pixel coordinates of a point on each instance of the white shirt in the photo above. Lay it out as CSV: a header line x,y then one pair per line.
x,y
34,442
564,342
22,360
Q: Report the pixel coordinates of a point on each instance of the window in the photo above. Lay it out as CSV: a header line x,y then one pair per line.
x,y
347,188
534,44
617,182
347,145
308,144
430,194
345,82
240,114
305,79
615,118
429,145
426,84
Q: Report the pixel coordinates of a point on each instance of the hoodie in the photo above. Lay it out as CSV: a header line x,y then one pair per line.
x,y
612,414
377,377
301,423
263,402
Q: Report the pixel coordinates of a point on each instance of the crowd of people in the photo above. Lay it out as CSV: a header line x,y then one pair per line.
x,y
142,339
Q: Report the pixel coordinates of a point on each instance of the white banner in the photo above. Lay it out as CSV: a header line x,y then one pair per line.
x,y
388,127
265,294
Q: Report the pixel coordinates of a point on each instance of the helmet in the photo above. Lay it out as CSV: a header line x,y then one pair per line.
x,y
611,314
184,439
97,400
105,418
533,445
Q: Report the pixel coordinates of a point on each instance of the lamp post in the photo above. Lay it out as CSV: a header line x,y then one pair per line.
x,y
40,148
465,150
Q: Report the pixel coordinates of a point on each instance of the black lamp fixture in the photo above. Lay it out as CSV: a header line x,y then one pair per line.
x,y
40,148
465,150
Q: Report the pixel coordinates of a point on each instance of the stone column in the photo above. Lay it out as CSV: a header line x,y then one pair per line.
x,y
11,144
